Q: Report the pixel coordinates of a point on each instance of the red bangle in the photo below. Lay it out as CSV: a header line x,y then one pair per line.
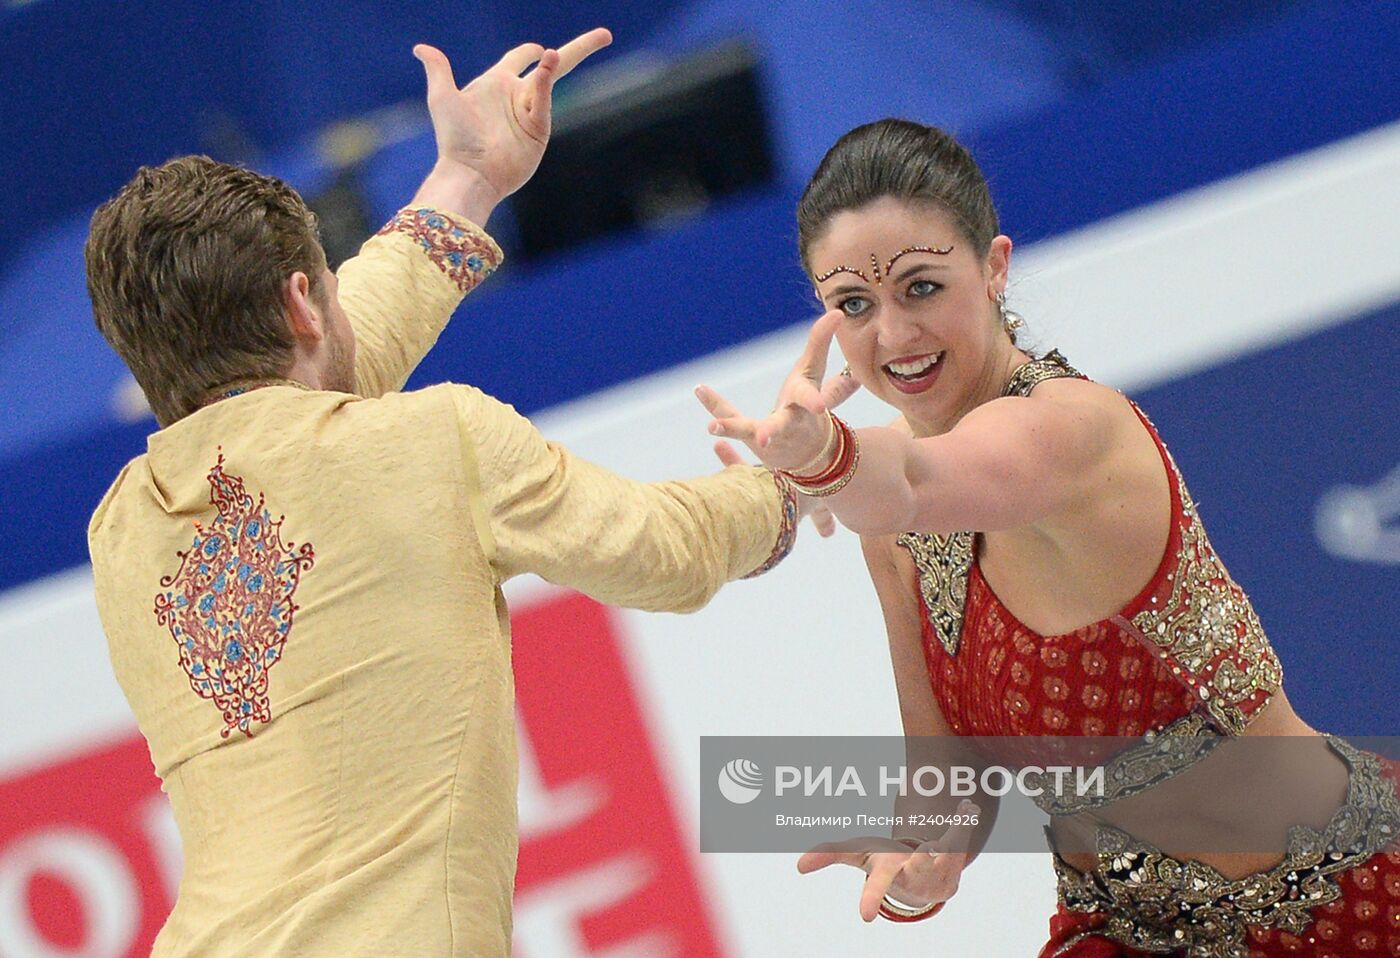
x,y
823,475
833,478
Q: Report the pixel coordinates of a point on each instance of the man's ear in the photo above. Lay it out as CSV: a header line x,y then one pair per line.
x,y
304,320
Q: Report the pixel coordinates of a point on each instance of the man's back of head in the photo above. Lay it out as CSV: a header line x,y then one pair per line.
x,y
185,268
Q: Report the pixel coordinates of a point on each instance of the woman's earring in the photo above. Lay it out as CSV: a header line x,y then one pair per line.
x,y
846,371
1010,320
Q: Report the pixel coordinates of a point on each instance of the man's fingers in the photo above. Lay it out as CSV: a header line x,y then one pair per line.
x,y
515,61
437,67
580,48
539,93
812,365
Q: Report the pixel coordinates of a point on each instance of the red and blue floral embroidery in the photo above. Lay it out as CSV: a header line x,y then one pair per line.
x,y
229,607
466,254
787,527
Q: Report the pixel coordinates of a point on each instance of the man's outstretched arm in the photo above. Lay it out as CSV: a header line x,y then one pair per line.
x,y
661,546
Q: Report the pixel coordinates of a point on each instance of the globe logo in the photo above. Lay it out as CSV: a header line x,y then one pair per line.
x,y
740,781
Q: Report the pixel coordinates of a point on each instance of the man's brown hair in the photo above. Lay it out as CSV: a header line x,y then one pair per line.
x,y
185,267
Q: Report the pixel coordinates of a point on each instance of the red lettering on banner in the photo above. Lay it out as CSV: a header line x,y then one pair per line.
x,y
78,873
618,875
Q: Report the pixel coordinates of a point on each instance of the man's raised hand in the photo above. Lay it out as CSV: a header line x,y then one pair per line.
x,y
496,127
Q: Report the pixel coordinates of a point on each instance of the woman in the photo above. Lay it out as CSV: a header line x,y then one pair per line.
x,y
1042,571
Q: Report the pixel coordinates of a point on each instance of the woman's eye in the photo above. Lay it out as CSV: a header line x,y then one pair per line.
x,y
923,287
854,306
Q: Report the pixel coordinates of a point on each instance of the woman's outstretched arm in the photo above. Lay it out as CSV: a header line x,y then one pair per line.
x,y
1008,463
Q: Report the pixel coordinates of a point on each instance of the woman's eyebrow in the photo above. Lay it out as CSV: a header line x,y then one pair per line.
x,y
916,267
848,288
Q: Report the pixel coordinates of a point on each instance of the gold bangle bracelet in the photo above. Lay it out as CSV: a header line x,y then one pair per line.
x,y
835,486
827,457
909,911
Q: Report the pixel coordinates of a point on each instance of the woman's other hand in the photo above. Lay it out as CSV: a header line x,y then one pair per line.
x,y
916,877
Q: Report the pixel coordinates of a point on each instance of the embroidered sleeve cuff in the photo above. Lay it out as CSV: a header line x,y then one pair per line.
x,y
460,248
787,527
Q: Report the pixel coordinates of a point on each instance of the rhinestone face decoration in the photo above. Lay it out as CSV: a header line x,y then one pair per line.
x,y
839,269
932,250
875,264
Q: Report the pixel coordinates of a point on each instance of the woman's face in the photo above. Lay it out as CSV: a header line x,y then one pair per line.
x,y
920,326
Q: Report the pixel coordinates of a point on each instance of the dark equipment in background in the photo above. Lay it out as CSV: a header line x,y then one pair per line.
x,y
343,216
660,149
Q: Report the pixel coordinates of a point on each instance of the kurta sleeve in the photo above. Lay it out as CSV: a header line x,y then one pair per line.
x,y
664,546
400,290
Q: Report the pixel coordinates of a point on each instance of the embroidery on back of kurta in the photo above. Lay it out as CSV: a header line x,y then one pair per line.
x,y
229,606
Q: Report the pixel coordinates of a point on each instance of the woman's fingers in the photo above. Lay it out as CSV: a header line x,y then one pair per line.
x,y
582,47
838,389
957,839
812,364
878,883
806,394
741,428
824,522
728,455
824,855
715,404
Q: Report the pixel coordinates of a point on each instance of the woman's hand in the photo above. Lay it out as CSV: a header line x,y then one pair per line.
x,y
496,127
796,434
915,877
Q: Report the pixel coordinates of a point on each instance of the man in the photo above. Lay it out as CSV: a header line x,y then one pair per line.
x,y
299,579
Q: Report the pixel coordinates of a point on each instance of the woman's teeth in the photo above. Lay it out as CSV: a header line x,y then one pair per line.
x,y
914,369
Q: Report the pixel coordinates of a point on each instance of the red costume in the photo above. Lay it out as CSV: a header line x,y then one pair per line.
x,y
1187,656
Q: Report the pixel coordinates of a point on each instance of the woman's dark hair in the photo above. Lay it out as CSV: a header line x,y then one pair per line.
x,y
905,160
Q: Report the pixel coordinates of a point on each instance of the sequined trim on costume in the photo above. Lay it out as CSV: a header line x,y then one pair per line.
x,y
229,607
1027,376
1158,904
787,527
465,253
1206,631
1160,755
944,562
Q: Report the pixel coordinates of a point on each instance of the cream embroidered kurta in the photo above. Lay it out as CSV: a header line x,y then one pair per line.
x,y
300,592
